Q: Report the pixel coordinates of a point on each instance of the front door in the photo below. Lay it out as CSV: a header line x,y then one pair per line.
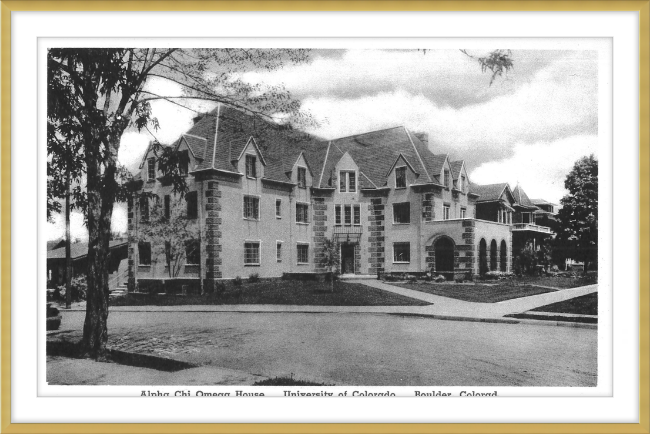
x,y
347,258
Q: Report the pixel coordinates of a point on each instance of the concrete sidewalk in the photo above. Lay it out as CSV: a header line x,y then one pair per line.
x,y
441,307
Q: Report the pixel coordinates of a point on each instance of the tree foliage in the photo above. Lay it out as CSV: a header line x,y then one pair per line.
x,y
331,258
497,62
95,95
578,218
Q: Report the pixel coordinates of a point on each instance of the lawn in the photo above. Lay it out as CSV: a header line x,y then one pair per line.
x,y
557,282
479,293
584,305
280,292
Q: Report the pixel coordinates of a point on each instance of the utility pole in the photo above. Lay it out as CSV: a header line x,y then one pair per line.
x,y
68,260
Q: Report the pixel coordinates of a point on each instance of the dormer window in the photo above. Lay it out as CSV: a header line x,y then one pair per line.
x,y
347,182
446,179
302,177
251,171
400,177
151,169
461,187
183,163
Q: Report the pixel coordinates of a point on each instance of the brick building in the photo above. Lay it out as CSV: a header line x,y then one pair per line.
x,y
264,200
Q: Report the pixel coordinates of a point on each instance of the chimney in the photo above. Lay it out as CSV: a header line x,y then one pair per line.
x,y
424,138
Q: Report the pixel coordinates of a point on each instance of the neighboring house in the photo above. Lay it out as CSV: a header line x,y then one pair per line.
x,y
78,254
264,203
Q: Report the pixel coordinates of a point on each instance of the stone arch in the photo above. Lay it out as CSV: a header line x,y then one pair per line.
x,y
493,255
482,257
503,257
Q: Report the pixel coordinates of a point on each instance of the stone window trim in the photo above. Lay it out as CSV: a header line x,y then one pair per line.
x,y
251,166
151,169
446,210
402,213
446,179
251,207
192,252
192,202
347,181
400,177
278,250
302,177
302,213
337,215
347,215
463,212
302,253
401,252
278,208
252,253
356,215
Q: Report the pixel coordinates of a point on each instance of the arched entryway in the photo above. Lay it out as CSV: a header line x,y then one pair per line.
x,y
482,257
444,249
503,257
493,255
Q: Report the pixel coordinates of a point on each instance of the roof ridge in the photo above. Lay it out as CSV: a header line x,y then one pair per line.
x,y
417,153
194,135
367,132
216,133
320,180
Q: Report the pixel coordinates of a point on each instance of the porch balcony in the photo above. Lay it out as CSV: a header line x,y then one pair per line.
x,y
520,227
345,234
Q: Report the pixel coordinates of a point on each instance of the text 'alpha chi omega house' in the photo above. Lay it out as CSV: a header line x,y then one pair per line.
x,y
265,200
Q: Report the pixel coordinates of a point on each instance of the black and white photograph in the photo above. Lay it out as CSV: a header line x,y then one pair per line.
x,y
227,219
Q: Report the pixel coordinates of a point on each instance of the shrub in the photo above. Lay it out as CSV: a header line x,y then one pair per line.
x,y
219,288
237,281
78,289
411,278
498,275
254,278
439,278
334,275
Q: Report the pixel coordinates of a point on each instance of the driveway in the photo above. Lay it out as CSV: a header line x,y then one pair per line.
x,y
360,349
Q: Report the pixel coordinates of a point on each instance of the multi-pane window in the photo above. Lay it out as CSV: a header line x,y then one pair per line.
x,y
401,252
402,212
348,215
445,212
192,205
192,252
357,215
447,178
144,253
347,181
278,208
251,207
463,212
167,206
251,166
400,177
337,215
462,183
302,177
151,169
278,251
184,161
302,213
427,207
303,253
251,253
144,208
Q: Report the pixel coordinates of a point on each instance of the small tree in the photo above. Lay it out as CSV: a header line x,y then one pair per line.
x,y
331,258
175,236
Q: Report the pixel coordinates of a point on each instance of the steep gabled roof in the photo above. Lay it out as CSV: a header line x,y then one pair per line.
x,y
490,192
195,144
521,198
542,202
456,167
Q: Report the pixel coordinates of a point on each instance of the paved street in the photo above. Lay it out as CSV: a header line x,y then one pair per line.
x,y
361,349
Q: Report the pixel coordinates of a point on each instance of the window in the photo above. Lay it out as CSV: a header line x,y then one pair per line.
x,y
252,253
278,208
427,207
192,205
402,213
278,251
192,252
525,217
302,213
302,177
348,215
400,177
462,183
347,182
151,169
463,212
303,254
144,208
445,211
251,207
357,215
184,161
251,171
447,177
144,253
401,252
337,210
167,204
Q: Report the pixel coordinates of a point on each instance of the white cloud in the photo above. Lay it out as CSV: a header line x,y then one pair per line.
x,y
540,168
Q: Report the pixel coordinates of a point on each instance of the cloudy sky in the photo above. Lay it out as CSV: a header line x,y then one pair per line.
x,y
527,127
